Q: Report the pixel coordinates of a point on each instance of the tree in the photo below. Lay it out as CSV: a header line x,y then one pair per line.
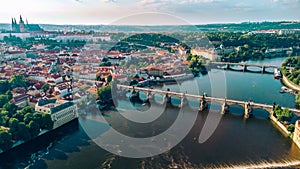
x,y
105,59
38,118
13,124
28,118
4,86
5,140
9,94
34,128
11,108
105,64
17,80
188,56
105,96
47,122
4,118
3,100
20,115
45,87
23,132
287,114
291,128
109,78
27,109
277,110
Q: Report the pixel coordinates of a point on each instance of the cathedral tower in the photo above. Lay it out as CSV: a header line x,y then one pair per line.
x,y
22,25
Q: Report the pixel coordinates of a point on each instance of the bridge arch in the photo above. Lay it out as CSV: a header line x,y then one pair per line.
x,y
236,109
261,113
158,98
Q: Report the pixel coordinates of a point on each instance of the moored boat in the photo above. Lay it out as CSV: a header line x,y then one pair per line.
x,y
277,74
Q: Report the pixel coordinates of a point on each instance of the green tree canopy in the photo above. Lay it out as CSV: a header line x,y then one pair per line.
x,y
47,122
3,100
28,118
11,108
5,140
13,124
4,86
23,132
34,128
45,87
17,80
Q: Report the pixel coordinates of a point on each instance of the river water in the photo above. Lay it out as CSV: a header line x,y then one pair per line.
x,y
236,143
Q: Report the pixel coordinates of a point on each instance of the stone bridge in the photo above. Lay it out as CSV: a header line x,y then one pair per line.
x,y
244,66
248,105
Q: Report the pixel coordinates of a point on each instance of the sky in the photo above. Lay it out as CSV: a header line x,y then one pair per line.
x,y
93,12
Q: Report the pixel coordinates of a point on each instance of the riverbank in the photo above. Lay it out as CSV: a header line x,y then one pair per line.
x,y
290,84
281,127
42,133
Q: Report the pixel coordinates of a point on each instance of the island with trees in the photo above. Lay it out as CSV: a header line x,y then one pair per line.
x,y
286,117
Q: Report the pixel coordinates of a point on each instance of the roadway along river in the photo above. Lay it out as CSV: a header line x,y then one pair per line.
x,y
235,142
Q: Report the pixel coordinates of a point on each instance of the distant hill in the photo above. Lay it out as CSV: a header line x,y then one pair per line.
x,y
251,26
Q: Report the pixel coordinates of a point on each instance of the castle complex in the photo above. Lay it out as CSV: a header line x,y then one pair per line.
x,y
24,27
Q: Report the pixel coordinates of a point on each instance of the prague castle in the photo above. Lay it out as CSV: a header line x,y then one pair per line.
x,y
24,27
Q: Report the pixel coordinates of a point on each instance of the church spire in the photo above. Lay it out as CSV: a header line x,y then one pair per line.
x,y
21,20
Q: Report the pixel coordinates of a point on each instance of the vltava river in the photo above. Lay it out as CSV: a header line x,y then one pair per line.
x,y
236,142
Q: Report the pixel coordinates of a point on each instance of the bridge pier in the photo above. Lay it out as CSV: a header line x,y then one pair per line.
x,y
203,104
244,68
248,110
227,66
225,108
166,99
263,69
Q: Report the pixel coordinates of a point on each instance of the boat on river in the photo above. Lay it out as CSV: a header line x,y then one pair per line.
x,y
277,74
284,89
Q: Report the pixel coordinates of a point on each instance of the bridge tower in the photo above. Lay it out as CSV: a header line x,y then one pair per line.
x,y
248,110
225,107
167,98
135,95
184,101
203,103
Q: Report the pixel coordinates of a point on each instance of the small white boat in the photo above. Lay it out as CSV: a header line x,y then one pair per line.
x,y
285,89
277,74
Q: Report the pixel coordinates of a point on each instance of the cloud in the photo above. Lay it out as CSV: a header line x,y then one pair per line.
x,y
109,1
286,2
198,1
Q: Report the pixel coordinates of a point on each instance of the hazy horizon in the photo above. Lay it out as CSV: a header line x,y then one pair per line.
x,y
106,12
212,23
